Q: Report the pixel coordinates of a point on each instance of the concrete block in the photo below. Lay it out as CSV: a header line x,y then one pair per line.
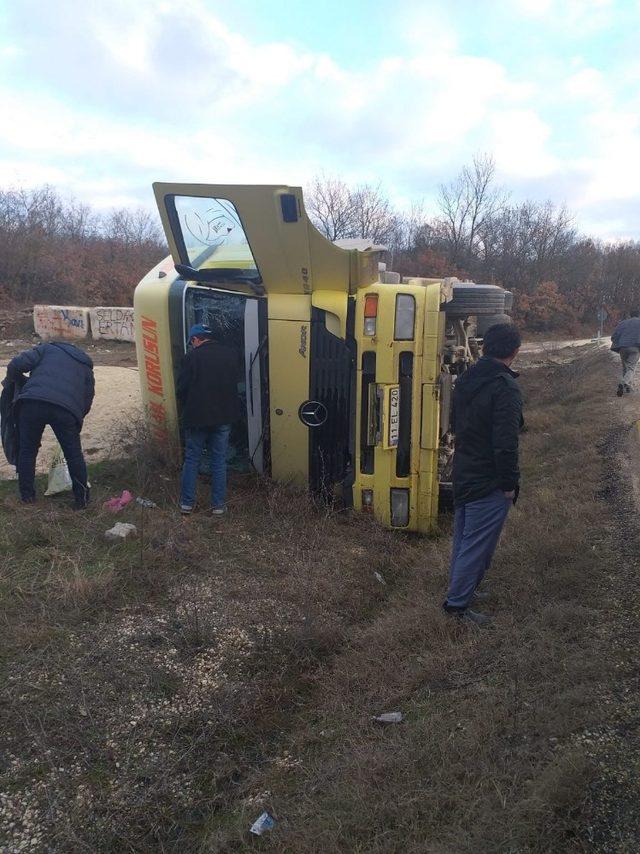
x,y
112,323
57,321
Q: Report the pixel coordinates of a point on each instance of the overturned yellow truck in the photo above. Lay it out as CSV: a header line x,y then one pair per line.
x,y
348,369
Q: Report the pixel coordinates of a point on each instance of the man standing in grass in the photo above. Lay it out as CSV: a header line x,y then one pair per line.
x,y
487,418
625,340
207,389
59,392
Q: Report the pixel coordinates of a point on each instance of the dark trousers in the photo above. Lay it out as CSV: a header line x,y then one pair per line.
x,y
476,532
33,417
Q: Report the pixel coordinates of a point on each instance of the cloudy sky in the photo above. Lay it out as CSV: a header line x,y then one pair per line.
x,y
101,98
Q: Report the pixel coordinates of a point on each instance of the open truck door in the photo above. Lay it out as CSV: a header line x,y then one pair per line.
x,y
252,238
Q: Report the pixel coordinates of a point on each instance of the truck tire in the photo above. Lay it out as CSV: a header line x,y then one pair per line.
x,y
487,321
476,300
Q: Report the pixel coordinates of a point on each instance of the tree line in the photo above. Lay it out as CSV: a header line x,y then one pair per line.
x,y
62,251
54,249
560,278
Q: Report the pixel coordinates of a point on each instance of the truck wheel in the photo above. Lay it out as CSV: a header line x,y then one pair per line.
x,y
476,300
487,321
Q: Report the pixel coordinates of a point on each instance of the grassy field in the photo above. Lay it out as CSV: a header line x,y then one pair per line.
x,y
158,694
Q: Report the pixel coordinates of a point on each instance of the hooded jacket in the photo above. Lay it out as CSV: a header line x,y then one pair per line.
x,y
207,386
487,418
626,334
58,373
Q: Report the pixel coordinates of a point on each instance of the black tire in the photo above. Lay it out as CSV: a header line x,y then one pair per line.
x,y
487,321
476,300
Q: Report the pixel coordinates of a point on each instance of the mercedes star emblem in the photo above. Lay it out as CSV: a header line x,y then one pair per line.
x,y
313,413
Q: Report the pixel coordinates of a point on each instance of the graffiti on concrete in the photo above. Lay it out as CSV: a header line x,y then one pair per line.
x,y
53,321
112,323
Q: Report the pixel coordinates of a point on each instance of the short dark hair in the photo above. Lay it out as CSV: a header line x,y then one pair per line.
x,y
501,341
634,313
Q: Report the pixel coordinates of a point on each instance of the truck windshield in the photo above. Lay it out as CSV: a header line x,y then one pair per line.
x,y
211,235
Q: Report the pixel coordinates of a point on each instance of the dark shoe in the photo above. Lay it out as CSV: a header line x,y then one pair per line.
x,y
627,389
28,500
218,511
81,500
620,391
476,619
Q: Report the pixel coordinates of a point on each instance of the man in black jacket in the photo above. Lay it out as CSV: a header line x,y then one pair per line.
x,y
58,392
208,392
487,415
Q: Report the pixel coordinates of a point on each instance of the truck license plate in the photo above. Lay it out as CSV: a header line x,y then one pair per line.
x,y
394,416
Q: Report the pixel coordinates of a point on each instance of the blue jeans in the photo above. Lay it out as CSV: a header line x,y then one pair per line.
x,y
476,532
216,440
33,417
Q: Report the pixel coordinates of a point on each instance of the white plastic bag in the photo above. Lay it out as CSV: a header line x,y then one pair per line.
x,y
59,477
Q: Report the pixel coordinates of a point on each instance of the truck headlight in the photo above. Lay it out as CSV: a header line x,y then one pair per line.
x,y
370,314
399,508
403,329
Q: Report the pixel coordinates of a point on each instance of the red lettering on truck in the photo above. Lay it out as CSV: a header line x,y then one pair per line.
x,y
151,356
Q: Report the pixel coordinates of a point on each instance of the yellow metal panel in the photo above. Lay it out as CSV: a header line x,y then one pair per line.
x,y
288,307
364,269
280,249
153,350
289,354
335,304
330,265
429,433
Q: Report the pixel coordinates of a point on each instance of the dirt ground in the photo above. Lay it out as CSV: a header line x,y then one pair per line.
x,y
117,400
117,403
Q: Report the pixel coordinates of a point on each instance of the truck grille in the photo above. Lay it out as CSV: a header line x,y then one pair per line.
x,y
330,383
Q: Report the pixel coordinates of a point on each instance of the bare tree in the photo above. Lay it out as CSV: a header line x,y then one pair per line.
x,y
132,227
328,203
373,216
465,204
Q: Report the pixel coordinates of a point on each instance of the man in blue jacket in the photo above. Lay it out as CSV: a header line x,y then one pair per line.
x,y
59,391
625,340
487,418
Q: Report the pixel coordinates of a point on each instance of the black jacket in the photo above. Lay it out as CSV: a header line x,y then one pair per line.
x,y
208,386
487,418
8,421
58,373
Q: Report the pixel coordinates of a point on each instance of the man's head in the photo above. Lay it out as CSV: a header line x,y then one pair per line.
x,y
200,334
634,313
502,342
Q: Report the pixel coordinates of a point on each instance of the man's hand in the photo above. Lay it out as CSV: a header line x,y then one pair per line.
x,y
511,495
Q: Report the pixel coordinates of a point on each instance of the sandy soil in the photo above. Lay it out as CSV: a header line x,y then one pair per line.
x,y
117,402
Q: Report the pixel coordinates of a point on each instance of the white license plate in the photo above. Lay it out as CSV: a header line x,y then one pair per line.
x,y
394,416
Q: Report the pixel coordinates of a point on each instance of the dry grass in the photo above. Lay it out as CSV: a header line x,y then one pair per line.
x,y
161,693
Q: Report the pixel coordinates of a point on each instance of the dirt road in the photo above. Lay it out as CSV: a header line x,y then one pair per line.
x,y
117,402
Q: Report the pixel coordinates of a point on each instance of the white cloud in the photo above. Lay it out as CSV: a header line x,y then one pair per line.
x,y
613,166
520,139
588,83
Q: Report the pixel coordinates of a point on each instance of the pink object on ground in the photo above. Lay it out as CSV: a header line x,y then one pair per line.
x,y
116,504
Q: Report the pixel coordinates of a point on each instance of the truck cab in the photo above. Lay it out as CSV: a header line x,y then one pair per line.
x,y
348,369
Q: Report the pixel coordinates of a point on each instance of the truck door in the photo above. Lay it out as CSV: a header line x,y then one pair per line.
x,y
240,322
